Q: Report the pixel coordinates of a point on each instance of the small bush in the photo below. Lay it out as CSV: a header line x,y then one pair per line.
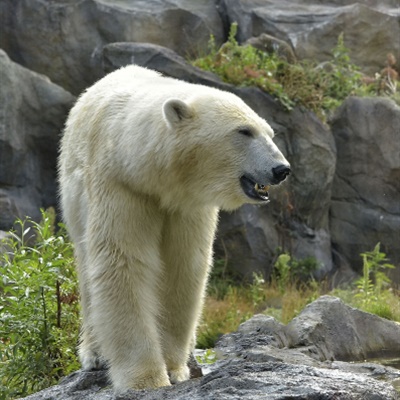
x,y
39,314
317,87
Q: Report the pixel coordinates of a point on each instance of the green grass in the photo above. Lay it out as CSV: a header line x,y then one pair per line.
x,y
317,87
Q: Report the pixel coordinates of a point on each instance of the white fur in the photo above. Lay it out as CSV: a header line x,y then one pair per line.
x,y
146,163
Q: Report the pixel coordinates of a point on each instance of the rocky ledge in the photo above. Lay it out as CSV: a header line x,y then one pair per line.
x,y
313,357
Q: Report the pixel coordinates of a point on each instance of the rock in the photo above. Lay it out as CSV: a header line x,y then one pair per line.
x,y
32,113
371,29
78,385
297,218
255,365
365,206
62,39
159,58
240,379
271,45
331,330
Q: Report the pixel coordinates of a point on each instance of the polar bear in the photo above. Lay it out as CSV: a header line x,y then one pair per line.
x,y
146,162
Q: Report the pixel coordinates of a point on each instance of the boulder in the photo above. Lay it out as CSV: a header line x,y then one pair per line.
x,y
270,44
328,329
365,205
32,114
159,58
371,29
63,39
255,364
296,220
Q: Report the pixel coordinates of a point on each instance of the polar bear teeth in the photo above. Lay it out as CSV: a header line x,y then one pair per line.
x,y
261,188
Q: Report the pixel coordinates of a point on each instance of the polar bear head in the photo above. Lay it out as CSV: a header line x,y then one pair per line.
x,y
224,151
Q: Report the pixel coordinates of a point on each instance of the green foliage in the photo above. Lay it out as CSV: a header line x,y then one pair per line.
x,y
39,315
318,87
220,281
288,271
281,272
208,357
373,282
256,289
244,66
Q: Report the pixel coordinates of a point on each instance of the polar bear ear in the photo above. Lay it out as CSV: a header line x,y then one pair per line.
x,y
176,111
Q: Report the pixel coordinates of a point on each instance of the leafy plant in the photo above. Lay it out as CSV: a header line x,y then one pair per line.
x,y
256,289
288,270
281,273
244,66
220,280
374,279
39,315
208,357
318,87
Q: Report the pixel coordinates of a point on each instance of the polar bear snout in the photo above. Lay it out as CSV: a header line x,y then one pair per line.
x,y
280,173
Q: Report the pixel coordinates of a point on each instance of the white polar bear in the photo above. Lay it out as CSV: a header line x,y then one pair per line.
x,y
146,163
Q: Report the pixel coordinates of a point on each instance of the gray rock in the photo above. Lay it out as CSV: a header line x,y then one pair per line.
x,y
239,379
366,190
371,29
271,45
32,113
255,365
62,39
159,58
330,330
297,218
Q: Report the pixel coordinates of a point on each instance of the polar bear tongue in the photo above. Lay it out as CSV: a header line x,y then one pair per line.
x,y
253,189
261,189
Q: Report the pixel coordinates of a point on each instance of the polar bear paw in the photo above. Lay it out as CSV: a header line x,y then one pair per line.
x,y
90,360
179,374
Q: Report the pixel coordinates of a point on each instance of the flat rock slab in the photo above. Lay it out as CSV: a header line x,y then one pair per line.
x,y
235,379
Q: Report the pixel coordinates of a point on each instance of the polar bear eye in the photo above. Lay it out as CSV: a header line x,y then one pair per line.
x,y
246,132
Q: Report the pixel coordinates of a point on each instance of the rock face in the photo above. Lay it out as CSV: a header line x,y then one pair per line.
x,y
366,191
32,112
256,364
371,29
62,39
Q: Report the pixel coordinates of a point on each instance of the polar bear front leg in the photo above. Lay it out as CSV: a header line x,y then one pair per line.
x,y
187,253
125,324
124,274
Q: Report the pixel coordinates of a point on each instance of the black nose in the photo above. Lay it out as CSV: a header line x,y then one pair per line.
x,y
281,172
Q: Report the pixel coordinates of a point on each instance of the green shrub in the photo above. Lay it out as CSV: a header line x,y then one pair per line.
x,y
317,87
289,271
373,284
39,314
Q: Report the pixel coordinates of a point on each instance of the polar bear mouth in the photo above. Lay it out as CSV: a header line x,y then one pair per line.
x,y
253,189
